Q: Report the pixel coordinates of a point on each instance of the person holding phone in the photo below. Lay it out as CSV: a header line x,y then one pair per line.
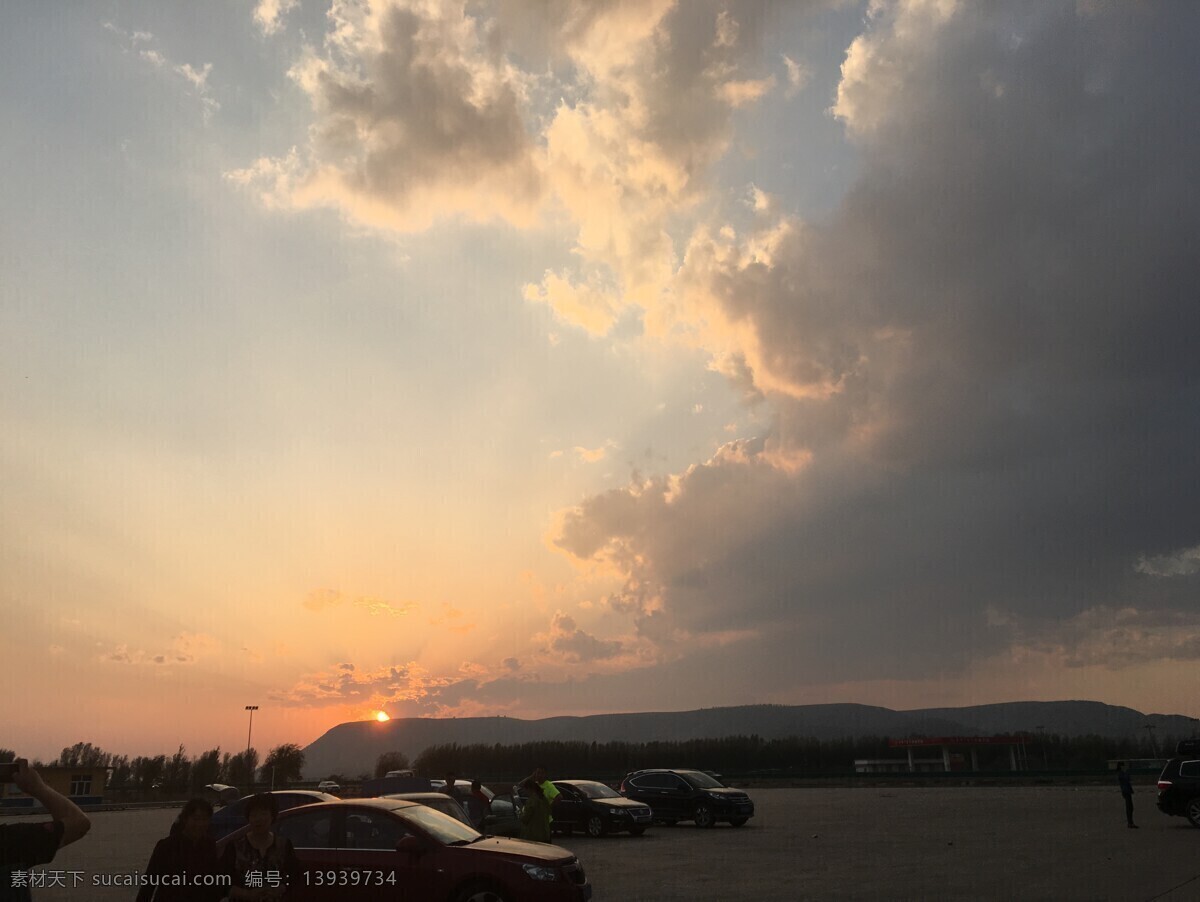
x,y
24,845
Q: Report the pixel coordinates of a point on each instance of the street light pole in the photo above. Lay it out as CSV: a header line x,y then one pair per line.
x,y
251,709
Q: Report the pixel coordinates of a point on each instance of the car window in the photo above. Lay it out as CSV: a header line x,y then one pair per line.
x,y
702,781
372,830
597,791
656,781
502,805
308,829
1189,769
441,827
448,806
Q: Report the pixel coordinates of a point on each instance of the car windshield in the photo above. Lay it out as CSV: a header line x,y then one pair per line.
x,y
597,791
701,780
447,806
441,827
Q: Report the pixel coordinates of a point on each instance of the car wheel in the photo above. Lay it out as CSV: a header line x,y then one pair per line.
x,y
738,821
1192,811
481,892
703,816
636,831
595,826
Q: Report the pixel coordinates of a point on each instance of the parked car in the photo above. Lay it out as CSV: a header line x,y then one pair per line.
x,y
438,801
1179,783
476,811
329,786
596,809
388,849
232,816
687,795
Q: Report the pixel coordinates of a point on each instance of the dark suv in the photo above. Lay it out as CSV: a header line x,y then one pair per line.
x,y
688,795
1179,783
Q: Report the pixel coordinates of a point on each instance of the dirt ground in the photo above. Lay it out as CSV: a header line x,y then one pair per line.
x,y
931,843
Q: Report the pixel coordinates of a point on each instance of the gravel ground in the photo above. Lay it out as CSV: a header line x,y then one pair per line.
x,y
937,843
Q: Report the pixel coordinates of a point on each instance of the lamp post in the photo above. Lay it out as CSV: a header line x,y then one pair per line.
x,y
251,709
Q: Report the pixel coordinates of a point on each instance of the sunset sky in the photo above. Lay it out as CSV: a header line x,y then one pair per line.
x,y
549,357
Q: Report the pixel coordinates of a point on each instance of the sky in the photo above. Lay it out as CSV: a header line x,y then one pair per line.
x,y
543,357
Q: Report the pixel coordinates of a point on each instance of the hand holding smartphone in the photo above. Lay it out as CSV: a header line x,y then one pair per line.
x,y
7,770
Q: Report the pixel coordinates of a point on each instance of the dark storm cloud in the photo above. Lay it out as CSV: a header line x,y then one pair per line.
x,y
982,364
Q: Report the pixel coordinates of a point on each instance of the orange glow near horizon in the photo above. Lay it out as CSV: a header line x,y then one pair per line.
x,y
382,717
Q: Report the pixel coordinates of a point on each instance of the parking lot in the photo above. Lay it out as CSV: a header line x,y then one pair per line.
x,y
938,843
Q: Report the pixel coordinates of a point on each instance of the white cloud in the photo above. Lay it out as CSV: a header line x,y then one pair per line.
x,y
415,121
1184,562
268,14
798,76
195,79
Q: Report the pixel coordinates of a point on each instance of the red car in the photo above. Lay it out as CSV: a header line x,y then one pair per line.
x,y
391,849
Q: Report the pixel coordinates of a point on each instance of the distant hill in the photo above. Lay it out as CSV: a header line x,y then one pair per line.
x,y
352,748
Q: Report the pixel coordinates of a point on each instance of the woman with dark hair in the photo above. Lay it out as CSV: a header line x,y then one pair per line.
x,y
260,864
184,866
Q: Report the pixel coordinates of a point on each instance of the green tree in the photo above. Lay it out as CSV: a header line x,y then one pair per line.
x,y
242,767
83,754
122,772
148,771
390,761
284,764
207,768
177,775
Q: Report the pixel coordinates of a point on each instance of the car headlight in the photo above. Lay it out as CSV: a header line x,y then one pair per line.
x,y
537,872
717,796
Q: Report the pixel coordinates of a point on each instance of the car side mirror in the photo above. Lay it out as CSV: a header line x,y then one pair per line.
x,y
414,845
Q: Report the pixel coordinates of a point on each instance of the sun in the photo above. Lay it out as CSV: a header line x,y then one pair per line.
x,y
382,717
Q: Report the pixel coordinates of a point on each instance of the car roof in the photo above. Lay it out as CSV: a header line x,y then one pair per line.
x,y
385,804
578,782
314,793
418,796
657,770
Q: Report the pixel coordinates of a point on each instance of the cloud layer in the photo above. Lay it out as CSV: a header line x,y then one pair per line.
x,y
980,367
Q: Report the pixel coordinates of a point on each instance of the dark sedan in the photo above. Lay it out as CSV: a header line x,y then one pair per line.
x,y
597,809
688,795
232,816
381,850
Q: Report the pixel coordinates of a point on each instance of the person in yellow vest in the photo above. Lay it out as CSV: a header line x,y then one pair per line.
x,y
535,813
549,790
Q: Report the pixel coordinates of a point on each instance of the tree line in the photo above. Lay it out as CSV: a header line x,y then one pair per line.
x,y
735,755
755,755
181,773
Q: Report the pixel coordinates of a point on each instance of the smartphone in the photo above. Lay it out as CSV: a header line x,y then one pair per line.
x,y
7,770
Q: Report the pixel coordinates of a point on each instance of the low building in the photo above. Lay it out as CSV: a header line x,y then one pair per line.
x,y
897,765
82,785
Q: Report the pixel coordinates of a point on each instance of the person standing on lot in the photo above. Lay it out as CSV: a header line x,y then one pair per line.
x,y
260,864
24,845
549,790
1127,792
478,805
184,866
535,814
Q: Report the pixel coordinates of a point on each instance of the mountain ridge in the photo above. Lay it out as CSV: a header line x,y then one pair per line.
x,y
352,748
